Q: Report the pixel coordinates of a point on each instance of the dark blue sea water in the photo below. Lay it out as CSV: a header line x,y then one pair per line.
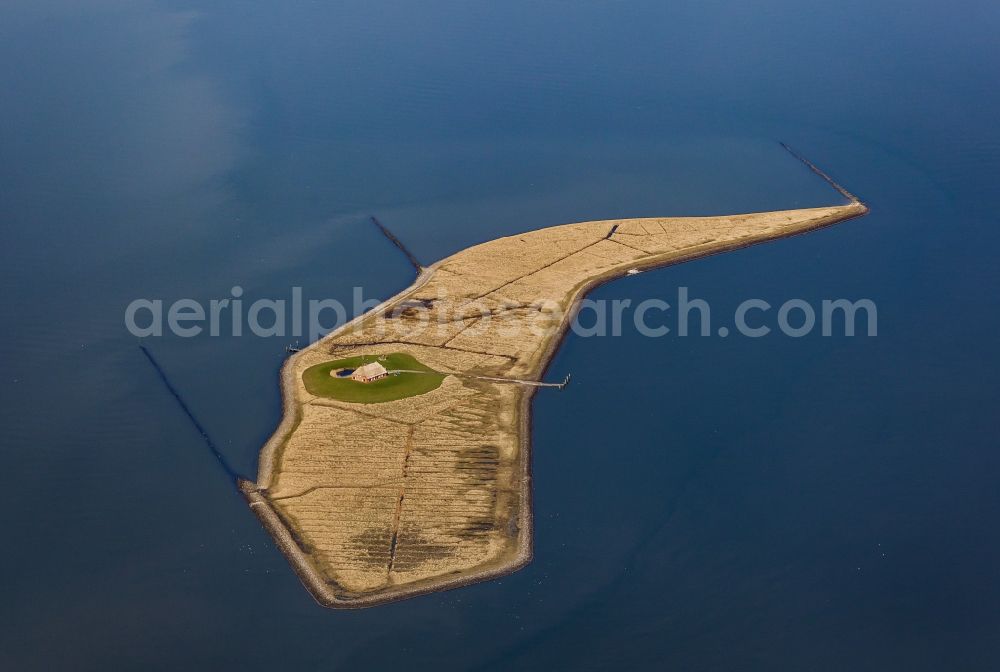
x,y
765,504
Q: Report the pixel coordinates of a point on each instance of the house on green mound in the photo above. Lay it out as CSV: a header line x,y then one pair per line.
x,y
369,372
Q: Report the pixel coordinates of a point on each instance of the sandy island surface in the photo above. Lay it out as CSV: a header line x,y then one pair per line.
x,y
377,502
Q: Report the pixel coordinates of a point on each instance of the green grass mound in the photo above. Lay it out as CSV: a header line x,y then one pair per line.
x,y
319,381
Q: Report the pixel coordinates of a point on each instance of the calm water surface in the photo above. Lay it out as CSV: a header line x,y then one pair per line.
x,y
765,504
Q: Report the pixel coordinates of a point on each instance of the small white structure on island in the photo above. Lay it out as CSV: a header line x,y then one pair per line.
x,y
369,373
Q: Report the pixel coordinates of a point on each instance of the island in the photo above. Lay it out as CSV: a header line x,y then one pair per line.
x,y
402,462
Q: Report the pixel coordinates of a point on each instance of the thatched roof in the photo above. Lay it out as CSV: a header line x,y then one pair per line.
x,y
369,371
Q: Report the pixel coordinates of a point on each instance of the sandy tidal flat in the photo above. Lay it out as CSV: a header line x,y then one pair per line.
x,y
375,502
